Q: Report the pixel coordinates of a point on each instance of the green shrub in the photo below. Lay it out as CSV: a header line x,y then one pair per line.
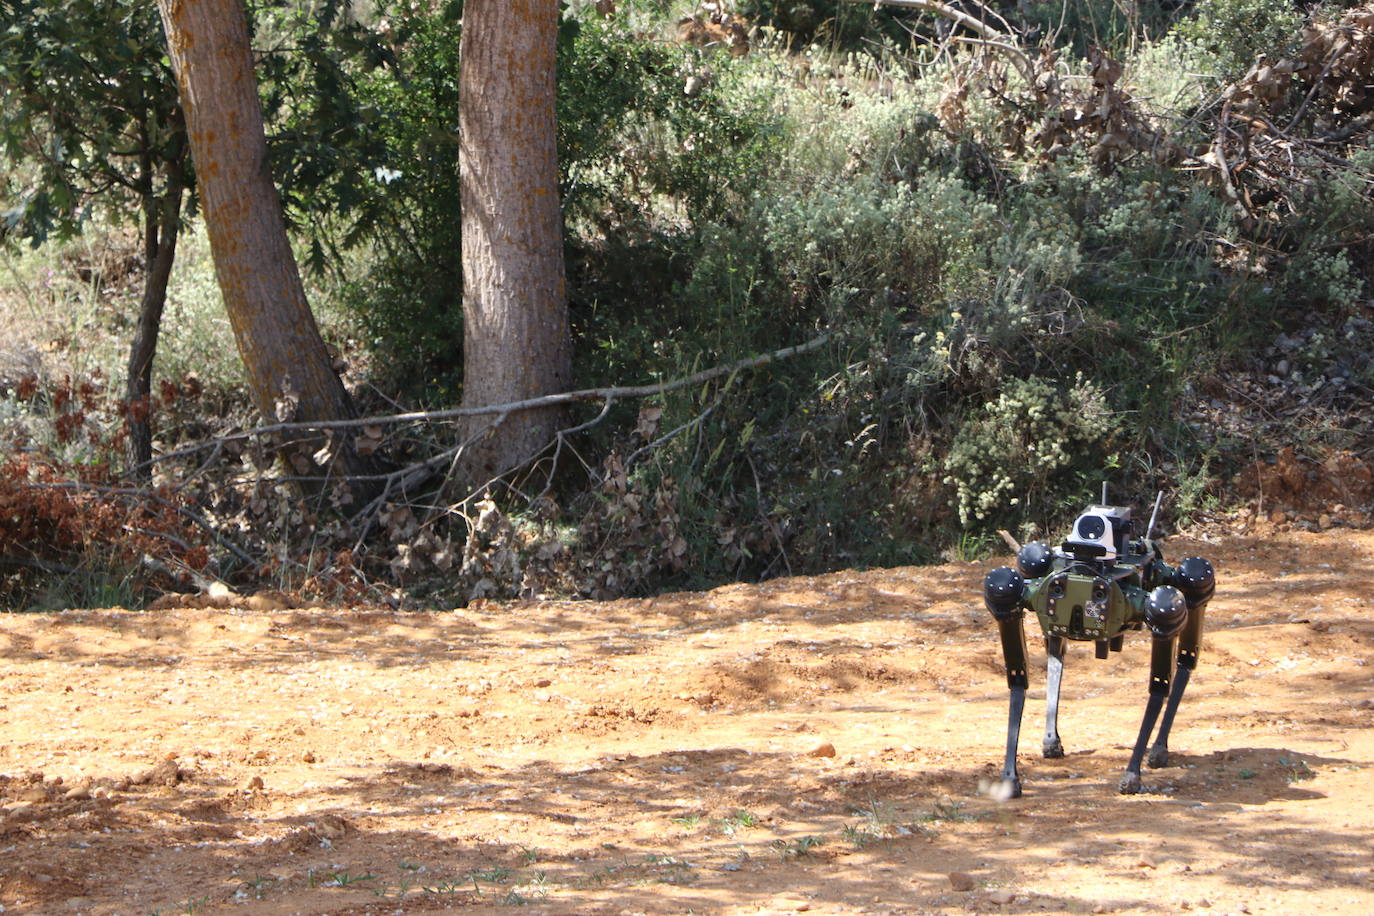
x,y
1233,32
1034,437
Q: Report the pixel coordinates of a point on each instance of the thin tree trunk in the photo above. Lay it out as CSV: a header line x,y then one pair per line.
x,y
161,230
288,365
516,342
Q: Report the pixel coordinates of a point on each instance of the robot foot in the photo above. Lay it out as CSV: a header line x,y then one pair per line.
x,y
1053,748
1010,788
1159,756
1130,783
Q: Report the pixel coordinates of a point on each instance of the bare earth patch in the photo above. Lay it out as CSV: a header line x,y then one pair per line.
x,y
811,744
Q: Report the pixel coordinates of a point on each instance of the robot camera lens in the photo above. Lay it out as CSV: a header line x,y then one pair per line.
x,y
1091,528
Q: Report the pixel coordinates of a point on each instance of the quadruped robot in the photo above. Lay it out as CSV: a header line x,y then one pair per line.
x,y
1100,583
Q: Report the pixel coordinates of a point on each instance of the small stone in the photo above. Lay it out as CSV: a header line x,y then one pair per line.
x,y
543,682
823,749
254,784
1145,862
308,757
962,881
1002,896
77,793
1100,908
1324,521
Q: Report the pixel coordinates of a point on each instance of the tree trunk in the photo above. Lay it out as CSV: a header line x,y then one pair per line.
x,y
516,342
162,225
288,365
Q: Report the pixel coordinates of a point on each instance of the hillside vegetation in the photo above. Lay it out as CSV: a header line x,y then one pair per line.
x,y
1027,251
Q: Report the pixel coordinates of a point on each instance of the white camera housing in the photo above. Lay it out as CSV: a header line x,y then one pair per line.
x,y
1100,533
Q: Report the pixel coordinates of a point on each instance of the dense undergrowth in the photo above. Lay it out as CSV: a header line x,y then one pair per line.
x,y
1131,250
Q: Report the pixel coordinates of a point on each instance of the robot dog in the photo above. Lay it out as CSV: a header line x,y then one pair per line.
x,y
1099,584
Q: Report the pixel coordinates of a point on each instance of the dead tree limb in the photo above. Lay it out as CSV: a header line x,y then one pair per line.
x,y
548,400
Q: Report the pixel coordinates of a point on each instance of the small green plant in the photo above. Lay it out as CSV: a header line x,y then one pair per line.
x,y
1297,768
739,820
859,835
671,869
537,888
973,546
191,907
687,820
948,809
452,886
257,886
799,848
1246,773
344,879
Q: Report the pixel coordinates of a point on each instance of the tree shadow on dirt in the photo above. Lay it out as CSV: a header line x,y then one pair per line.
x,y
825,830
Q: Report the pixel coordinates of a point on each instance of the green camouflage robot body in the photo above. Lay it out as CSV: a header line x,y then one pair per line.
x,y
1101,583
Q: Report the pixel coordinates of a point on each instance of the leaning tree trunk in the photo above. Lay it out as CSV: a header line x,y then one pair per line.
x,y
515,340
288,365
161,227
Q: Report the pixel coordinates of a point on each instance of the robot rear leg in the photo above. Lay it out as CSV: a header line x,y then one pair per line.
x,y
1054,676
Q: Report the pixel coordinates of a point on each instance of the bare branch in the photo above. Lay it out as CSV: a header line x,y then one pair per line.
x,y
987,35
549,400
944,10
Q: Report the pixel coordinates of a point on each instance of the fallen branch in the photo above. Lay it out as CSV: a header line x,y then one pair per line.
x,y
548,400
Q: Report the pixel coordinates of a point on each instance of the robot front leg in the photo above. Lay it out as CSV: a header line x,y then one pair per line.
x,y
1197,581
1002,593
1166,613
1054,676
1161,663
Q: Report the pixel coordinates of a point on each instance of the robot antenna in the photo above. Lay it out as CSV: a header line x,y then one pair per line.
x,y
1154,515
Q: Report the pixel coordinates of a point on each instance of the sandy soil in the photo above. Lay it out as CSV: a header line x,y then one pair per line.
x,y
812,744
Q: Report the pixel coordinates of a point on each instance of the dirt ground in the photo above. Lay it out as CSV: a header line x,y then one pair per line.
x,y
811,744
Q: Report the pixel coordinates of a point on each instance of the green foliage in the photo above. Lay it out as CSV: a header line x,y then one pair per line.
x,y
407,292
854,239
1002,327
1235,31
643,123
833,23
326,141
86,95
1036,438
1081,24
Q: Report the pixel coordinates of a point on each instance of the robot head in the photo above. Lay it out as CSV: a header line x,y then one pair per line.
x,y
1100,533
